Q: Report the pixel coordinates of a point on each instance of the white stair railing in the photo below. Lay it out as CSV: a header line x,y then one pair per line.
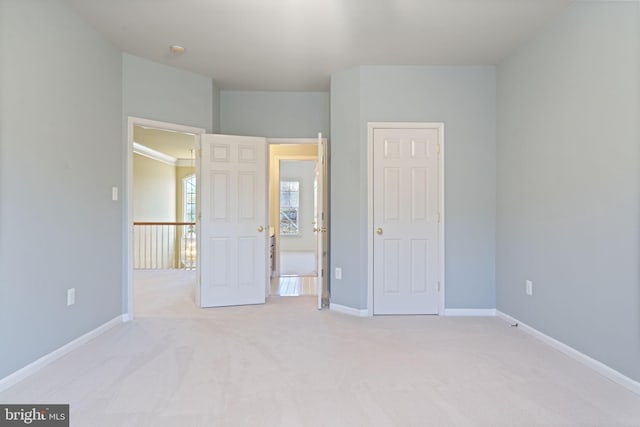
x,y
164,245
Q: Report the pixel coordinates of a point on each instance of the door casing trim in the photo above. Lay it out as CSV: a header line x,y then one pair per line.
x,y
371,126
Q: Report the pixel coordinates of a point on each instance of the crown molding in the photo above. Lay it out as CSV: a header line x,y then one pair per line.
x,y
143,150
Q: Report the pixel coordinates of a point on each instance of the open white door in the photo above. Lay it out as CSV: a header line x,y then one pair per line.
x,y
321,225
232,267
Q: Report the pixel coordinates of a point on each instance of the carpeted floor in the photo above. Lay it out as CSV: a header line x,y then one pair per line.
x,y
287,364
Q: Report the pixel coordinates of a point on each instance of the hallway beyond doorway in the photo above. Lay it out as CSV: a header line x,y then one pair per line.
x,y
293,286
298,263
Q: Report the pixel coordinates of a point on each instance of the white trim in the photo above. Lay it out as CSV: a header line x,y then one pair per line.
x,y
477,312
443,217
32,368
594,364
146,123
349,310
143,150
441,189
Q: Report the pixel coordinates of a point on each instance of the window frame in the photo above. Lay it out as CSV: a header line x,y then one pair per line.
x,y
185,199
296,208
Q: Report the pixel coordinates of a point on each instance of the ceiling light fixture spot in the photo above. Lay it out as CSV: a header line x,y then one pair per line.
x,y
176,49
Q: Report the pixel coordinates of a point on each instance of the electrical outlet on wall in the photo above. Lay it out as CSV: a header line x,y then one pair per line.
x,y
529,287
71,296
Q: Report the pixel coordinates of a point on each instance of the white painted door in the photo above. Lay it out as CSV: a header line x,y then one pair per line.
x,y
233,222
405,218
321,224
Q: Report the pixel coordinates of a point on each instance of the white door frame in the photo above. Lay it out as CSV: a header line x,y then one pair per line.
x,y
404,125
131,122
325,189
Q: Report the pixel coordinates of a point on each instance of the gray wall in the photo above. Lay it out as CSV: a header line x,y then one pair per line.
x,y
464,99
159,92
347,243
60,139
274,114
215,106
568,182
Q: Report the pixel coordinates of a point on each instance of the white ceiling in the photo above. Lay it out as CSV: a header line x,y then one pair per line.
x,y
297,44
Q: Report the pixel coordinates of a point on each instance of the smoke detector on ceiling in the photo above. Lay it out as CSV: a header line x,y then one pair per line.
x,y
176,49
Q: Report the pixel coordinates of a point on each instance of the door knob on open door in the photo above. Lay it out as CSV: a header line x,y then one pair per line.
x,y
379,230
260,228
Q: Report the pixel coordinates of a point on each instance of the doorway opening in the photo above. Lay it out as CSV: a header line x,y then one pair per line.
x,y
294,224
161,213
297,218
212,181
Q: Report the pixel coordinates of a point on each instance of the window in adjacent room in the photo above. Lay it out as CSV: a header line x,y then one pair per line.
x,y
188,241
189,197
289,207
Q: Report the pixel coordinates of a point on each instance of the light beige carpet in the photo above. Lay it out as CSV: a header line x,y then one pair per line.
x,y
287,364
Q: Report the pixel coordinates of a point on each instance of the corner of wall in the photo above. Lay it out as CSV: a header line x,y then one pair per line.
x,y
215,107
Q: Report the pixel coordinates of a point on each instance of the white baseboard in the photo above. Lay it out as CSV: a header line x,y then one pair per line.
x,y
477,312
32,368
349,310
596,365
